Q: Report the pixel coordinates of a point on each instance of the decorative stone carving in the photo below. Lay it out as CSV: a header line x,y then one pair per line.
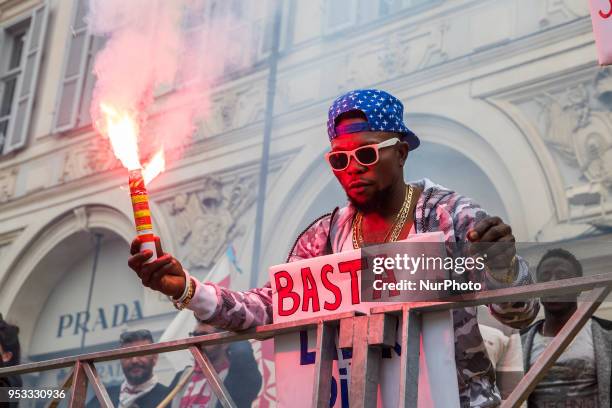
x,y
572,114
394,58
578,126
6,240
227,110
603,88
556,11
205,220
594,153
398,53
82,218
83,161
436,51
235,108
562,116
8,178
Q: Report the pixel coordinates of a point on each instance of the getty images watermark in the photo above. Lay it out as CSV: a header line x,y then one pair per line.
x,y
425,271
402,264
434,271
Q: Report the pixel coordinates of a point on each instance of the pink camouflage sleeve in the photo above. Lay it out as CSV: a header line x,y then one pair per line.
x,y
465,214
234,310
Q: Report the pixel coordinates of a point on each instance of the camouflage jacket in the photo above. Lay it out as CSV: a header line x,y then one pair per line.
x,y
438,209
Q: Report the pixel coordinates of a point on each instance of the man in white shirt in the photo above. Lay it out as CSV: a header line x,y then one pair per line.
x,y
581,375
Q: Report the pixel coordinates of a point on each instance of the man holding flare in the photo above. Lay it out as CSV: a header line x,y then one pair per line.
x,y
369,148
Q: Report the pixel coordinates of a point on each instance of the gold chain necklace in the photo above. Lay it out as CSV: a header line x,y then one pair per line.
x,y
398,225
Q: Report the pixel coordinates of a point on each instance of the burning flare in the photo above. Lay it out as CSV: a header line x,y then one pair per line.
x,y
156,165
122,130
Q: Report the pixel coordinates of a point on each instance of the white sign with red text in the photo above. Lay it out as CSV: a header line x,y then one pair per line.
x,y
601,15
331,284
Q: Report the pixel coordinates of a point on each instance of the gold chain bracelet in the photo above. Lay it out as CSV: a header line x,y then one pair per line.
x,y
187,300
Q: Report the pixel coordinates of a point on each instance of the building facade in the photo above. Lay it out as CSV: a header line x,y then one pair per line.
x,y
506,97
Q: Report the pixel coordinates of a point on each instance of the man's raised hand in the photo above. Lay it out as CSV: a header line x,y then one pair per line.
x,y
164,274
493,237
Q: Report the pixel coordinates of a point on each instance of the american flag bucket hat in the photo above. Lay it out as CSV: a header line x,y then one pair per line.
x,y
383,111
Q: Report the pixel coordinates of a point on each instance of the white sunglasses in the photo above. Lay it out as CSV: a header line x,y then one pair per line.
x,y
364,155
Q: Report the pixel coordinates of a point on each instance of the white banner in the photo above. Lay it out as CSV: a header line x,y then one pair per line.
x,y
329,285
601,15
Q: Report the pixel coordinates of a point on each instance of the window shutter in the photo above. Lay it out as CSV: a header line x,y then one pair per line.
x,y
84,115
26,87
75,63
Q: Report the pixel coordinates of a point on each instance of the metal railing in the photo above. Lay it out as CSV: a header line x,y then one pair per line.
x,y
365,334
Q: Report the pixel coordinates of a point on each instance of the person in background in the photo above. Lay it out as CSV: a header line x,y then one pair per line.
x,y
234,363
10,354
140,387
503,345
581,375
